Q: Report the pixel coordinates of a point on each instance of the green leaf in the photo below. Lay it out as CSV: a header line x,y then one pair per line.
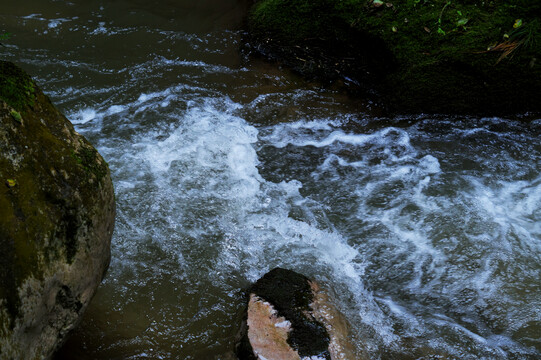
x,y
16,116
462,22
517,24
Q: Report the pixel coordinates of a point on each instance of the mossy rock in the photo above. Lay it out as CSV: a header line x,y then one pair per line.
x,y
455,56
56,220
16,87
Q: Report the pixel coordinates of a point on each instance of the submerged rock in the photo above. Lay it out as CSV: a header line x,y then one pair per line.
x,y
289,317
57,214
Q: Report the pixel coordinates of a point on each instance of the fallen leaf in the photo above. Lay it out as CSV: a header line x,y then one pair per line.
x,y
11,183
427,29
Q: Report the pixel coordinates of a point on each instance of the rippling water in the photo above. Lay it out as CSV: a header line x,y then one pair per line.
x,y
426,229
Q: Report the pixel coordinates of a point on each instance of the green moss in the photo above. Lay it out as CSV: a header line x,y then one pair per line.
x,y
91,161
48,191
70,237
425,37
299,20
20,216
8,283
31,212
17,221
468,28
16,87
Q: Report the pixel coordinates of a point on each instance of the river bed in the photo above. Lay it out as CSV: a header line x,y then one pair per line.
x,y
426,229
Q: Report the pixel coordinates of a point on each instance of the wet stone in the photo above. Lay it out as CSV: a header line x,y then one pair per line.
x,y
288,316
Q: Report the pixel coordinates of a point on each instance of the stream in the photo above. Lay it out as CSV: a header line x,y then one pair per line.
x,y
425,229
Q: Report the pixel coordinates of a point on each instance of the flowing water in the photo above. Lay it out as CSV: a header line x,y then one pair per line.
x,y
427,230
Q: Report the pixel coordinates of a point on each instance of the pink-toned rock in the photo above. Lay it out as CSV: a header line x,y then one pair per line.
x,y
338,328
290,317
268,332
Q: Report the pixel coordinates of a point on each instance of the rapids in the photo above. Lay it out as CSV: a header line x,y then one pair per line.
x,y
427,229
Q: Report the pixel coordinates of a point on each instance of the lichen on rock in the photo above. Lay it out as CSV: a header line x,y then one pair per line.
x,y
56,220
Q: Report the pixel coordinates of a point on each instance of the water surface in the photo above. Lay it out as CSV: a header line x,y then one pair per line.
x,y
426,229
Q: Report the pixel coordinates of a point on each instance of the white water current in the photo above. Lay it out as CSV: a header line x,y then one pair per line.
x,y
426,230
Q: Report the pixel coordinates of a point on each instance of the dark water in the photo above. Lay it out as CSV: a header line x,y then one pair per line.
x,y
426,229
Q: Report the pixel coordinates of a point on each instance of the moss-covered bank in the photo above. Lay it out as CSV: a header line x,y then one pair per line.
x,y
456,56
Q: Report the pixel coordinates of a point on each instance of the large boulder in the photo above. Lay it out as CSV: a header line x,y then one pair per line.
x,y
57,213
289,317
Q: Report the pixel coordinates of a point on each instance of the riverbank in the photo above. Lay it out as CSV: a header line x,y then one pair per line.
x,y
461,57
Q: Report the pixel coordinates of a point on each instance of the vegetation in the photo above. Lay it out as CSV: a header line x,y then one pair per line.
x,y
16,87
16,116
3,37
442,52
89,159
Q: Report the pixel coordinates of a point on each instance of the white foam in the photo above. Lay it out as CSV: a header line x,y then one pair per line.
x,y
101,29
283,324
115,109
430,164
83,116
215,143
195,174
54,23
405,315
33,16
87,115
